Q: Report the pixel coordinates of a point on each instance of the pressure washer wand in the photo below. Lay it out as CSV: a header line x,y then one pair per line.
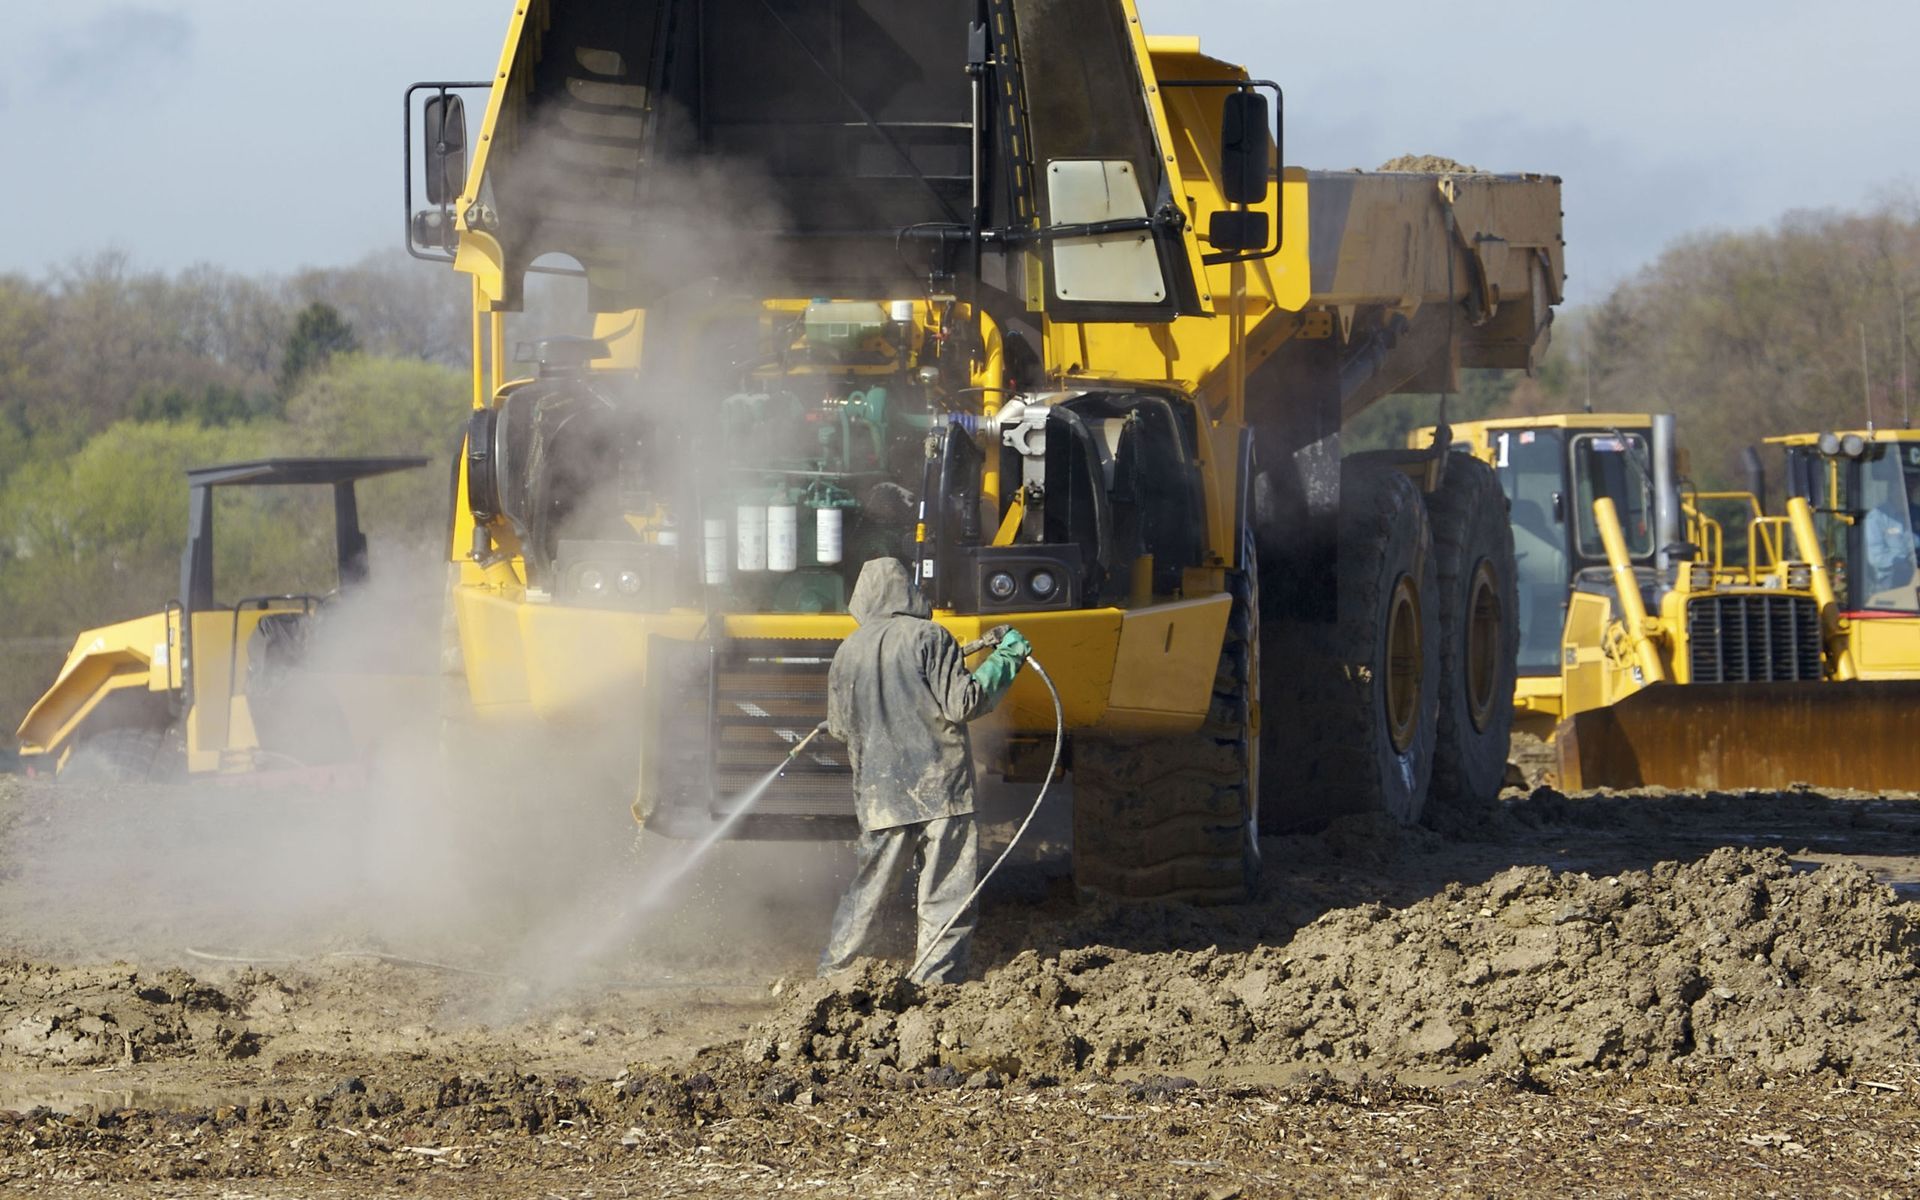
x,y
989,640
802,744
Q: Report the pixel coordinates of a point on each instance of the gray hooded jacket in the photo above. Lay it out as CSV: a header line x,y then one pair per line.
x,y
900,696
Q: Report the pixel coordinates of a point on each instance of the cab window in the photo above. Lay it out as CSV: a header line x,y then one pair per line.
x,y
1884,530
1613,465
1528,462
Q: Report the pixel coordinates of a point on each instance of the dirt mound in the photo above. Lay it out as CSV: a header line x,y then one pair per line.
x,y
1737,959
1429,164
79,1016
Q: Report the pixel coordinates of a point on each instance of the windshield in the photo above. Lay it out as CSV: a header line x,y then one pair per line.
x,y
1528,462
1614,465
1888,500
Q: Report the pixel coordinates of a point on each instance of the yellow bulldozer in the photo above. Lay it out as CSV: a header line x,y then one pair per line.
x,y
1677,638
1019,294
207,686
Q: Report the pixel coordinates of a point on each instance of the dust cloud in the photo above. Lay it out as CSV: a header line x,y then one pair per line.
x,y
507,851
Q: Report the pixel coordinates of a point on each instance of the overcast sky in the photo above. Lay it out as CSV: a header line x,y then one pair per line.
x,y
263,135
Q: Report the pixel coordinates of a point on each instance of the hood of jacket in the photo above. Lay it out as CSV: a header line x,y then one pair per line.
x,y
885,589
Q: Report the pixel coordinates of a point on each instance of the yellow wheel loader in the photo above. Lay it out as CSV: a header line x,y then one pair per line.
x,y
1019,294
1651,655
208,686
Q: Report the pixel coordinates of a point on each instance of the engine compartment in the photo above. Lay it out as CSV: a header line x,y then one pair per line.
x,y
761,458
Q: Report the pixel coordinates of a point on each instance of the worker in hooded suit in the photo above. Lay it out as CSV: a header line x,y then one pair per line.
x,y
899,695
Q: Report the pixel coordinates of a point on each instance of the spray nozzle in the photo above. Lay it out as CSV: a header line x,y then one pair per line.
x,y
806,741
988,640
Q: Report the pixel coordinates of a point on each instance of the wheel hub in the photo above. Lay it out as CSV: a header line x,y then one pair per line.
x,y
1484,622
1403,665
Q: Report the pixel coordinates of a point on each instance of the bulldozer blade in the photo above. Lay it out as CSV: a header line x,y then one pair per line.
x,y
1857,735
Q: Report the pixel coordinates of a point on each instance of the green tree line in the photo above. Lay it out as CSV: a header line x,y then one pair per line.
x,y
1811,325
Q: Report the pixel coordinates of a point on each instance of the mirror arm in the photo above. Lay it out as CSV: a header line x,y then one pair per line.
x,y
406,161
1276,171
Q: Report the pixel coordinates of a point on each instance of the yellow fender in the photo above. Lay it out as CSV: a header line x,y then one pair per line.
x,y
130,656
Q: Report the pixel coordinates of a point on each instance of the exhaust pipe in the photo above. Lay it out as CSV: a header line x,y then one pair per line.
x,y
1666,492
1756,470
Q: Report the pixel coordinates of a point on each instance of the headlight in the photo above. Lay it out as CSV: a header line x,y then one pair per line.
x,y
592,581
1001,586
1043,584
1853,445
628,582
1829,445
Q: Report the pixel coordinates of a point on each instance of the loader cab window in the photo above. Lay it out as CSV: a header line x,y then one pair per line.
x,y
1529,463
1616,466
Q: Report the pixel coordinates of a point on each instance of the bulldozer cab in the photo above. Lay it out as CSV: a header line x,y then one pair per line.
x,y
1862,492
1865,495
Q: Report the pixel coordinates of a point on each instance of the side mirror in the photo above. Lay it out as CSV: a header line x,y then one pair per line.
x,y
444,132
1246,144
1234,232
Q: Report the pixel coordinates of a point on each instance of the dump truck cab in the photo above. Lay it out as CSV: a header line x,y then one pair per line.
x,y
209,685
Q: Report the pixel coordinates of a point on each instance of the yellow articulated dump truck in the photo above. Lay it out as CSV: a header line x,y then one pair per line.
x,y
1677,638
211,686
1019,294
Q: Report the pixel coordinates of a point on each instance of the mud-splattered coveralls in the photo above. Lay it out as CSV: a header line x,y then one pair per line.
x,y
900,696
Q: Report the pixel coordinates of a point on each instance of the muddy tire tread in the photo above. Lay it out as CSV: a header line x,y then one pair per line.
x,y
1470,523
1326,749
1171,819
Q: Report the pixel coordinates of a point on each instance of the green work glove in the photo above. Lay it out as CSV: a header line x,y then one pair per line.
x,y
996,674
1015,642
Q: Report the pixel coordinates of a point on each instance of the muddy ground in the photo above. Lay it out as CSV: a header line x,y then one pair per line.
x,y
233,993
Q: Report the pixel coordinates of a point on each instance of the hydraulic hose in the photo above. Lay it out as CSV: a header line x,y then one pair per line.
x,y
1053,769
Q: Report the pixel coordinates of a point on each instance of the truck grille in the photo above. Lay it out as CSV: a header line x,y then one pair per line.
x,y
1754,638
727,714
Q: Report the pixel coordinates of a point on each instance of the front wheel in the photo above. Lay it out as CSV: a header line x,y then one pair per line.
x,y
1176,818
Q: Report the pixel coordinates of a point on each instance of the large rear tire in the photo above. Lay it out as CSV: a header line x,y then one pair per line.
x,y
1479,637
1353,705
1176,819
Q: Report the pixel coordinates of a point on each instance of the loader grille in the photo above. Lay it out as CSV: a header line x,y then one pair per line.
x,y
727,714
1754,638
